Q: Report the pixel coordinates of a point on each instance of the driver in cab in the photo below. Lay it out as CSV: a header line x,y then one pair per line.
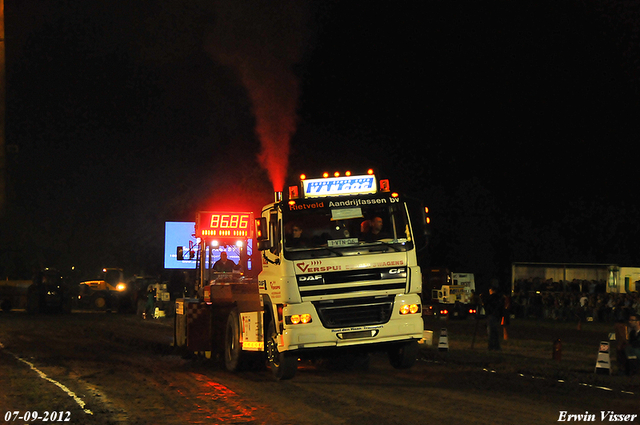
x,y
375,232
224,265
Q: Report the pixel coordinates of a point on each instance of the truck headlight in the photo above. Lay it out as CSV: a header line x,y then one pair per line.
x,y
296,319
121,287
409,309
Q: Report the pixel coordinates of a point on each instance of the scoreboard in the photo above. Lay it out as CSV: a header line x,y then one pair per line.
x,y
222,225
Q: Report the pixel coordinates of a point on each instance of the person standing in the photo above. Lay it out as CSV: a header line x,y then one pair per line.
x,y
494,307
632,349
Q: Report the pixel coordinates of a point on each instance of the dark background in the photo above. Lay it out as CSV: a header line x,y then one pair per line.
x,y
516,122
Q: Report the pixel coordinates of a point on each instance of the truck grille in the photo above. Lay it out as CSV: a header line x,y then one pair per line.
x,y
354,297
348,283
355,311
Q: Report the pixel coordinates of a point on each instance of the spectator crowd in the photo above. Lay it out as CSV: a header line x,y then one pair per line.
x,y
569,301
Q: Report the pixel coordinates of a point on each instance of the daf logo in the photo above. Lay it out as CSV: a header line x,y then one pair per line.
x,y
310,278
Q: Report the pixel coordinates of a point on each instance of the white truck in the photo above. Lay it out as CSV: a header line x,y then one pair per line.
x,y
459,290
339,270
339,275
455,300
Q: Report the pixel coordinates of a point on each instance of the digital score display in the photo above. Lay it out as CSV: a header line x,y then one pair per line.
x,y
214,224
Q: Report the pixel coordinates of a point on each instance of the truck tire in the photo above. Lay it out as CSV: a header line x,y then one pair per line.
x,y
403,356
233,355
283,365
99,301
33,302
5,305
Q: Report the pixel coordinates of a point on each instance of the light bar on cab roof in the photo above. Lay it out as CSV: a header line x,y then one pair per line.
x,y
340,186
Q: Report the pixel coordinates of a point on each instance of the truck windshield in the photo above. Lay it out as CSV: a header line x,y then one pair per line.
x,y
345,226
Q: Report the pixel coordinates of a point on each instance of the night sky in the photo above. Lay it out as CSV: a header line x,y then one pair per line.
x,y
516,122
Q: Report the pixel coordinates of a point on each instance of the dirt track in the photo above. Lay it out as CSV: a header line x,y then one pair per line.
x,y
123,369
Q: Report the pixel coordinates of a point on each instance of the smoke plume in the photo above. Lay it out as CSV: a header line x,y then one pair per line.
x,y
262,40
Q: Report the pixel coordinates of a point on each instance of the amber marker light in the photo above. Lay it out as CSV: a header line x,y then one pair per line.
x,y
370,171
325,174
303,176
336,174
348,173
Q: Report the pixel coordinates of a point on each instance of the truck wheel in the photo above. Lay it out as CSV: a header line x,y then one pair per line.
x,y
403,356
33,302
283,365
232,347
6,305
99,301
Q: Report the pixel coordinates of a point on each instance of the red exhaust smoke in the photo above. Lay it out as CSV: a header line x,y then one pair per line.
x,y
261,41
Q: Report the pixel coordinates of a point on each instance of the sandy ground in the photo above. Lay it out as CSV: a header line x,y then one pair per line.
x,y
122,370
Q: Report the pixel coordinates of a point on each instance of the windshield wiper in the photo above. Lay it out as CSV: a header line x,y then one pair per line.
x,y
386,244
313,251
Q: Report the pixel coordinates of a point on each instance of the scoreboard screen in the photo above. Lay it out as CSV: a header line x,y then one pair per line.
x,y
221,225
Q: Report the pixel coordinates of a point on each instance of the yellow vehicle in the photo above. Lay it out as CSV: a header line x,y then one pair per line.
x,y
99,294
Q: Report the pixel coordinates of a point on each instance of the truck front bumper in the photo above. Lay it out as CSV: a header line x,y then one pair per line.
x,y
400,327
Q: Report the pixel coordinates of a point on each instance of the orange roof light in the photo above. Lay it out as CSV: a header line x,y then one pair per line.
x,y
336,174
370,171
303,176
325,174
347,173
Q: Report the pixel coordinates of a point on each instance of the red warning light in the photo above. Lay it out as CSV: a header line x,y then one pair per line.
x,y
293,192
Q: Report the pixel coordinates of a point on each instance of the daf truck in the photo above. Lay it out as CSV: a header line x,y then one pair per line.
x,y
339,270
